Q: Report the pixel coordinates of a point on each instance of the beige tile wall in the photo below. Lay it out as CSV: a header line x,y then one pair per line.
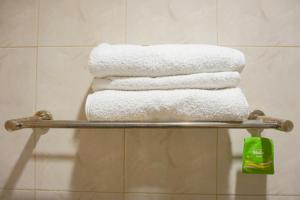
x,y
44,47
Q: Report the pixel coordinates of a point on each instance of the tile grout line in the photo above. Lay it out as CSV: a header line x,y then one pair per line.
x,y
260,46
37,54
124,160
217,27
48,46
261,195
217,154
199,194
126,26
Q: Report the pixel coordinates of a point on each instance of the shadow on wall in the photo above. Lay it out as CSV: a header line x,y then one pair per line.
x,y
98,164
99,159
245,184
25,156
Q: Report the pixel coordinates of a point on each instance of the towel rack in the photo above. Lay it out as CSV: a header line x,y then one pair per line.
x,y
43,119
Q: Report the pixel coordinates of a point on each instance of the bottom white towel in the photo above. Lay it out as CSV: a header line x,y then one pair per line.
x,y
167,105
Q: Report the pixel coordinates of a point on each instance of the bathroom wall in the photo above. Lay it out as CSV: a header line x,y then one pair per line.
x,y
43,65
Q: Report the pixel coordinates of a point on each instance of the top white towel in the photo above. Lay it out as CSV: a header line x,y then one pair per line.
x,y
163,60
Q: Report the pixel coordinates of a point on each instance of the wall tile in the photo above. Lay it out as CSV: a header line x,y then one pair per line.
x,y
16,194
170,160
60,195
259,22
69,22
82,160
269,82
231,197
17,85
18,23
89,160
171,21
167,197
63,81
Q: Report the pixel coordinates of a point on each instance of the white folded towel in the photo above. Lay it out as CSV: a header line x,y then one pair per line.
x,y
167,105
163,60
193,81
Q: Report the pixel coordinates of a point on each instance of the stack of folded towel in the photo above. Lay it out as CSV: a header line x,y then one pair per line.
x,y
166,83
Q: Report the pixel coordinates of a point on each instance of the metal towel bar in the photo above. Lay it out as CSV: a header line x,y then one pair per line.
x,y
43,119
